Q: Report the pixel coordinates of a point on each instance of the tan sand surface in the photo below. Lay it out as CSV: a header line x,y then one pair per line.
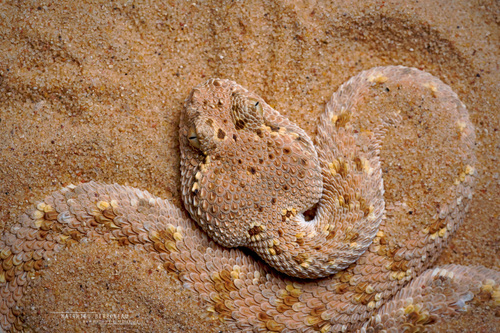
x,y
92,90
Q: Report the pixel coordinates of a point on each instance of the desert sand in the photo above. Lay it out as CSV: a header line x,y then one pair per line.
x,y
92,90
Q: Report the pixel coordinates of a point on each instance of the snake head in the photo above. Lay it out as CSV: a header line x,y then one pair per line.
x,y
243,165
216,114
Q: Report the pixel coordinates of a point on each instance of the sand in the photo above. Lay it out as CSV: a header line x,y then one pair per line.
x,y
93,90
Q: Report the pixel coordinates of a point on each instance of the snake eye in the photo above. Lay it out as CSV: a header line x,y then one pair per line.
x,y
258,108
247,112
193,138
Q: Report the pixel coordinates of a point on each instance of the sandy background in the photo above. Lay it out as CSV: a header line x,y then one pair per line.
x,y
93,90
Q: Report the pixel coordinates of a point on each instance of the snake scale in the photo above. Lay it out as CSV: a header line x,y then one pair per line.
x,y
341,253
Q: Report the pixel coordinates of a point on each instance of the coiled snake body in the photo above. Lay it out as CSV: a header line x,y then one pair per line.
x,y
355,258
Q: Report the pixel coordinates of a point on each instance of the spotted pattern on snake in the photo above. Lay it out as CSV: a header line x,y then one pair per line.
x,y
356,256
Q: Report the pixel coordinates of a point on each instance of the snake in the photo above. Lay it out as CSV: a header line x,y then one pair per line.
x,y
284,233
